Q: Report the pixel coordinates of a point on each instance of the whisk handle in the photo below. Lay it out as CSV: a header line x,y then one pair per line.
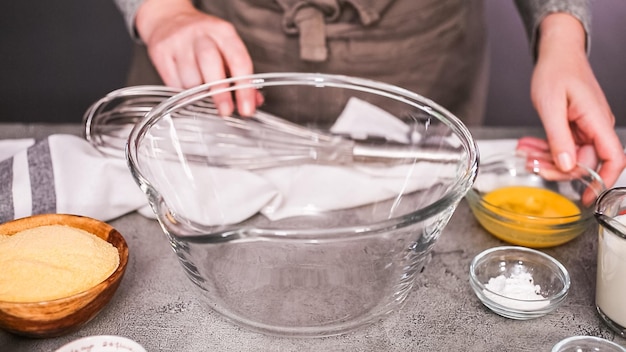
x,y
369,152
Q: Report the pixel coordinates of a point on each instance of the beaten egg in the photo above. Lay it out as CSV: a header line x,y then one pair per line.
x,y
527,216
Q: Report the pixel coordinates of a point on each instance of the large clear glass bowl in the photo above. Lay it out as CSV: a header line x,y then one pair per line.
x,y
283,229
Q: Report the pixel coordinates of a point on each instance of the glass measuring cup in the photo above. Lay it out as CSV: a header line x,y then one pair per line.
x,y
611,279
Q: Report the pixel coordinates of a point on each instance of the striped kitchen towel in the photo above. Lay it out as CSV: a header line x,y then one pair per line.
x,y
64,174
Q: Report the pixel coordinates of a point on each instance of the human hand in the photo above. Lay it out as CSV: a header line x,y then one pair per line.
x,y
188,48
539,160
576,116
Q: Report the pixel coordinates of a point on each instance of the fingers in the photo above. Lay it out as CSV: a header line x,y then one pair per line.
x,y
558,132
610,152
586,156
239,63
177,68
584,134
166,65
216,57
551,103
607,153
211,67
191,48
532,144
188,68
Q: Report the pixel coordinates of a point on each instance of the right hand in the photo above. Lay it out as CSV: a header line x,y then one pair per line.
x,y
189,48
576,116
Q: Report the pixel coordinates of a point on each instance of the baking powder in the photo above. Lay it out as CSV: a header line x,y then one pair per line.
x,y
519,286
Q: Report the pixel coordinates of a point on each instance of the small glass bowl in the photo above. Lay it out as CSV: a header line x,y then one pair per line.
x,y
586,344
522,222
550,275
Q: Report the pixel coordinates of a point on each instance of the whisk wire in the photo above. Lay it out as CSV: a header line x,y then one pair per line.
x,y
259,141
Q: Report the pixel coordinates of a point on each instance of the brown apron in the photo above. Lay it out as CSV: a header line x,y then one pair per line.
x,y
432,47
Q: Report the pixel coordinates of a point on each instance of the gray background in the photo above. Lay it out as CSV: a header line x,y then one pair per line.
x,y
57,57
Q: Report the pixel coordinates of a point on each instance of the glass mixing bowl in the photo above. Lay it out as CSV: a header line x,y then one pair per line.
x,y
314,216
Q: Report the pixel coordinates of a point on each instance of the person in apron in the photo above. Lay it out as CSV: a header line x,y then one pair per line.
x,y
434,48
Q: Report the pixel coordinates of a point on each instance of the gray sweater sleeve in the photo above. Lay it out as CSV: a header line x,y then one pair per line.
x,y
128,8
532,13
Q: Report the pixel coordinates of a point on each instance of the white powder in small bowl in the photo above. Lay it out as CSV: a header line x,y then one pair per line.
x,y
520,287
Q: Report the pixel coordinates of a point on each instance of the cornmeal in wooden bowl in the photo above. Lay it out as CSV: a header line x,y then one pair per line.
x,y
51,262
57,272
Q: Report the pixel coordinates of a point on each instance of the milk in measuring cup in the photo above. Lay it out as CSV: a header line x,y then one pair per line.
x,y
611,277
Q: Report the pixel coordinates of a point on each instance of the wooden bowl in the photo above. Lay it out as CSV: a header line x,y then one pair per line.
x,y
61,316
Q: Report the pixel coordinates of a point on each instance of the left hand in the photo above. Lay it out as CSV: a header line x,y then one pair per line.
x,y
576,116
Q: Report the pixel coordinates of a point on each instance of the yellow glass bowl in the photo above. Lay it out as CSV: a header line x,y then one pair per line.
x,y
581,187
64,315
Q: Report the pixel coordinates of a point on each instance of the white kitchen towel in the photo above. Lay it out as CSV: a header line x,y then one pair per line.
x,y
66,174
214,196
8,147
63,174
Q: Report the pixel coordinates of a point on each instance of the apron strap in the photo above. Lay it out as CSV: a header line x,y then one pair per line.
x,y
312,29
308,18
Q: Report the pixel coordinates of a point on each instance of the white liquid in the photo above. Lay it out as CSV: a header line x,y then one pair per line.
x,y
611,281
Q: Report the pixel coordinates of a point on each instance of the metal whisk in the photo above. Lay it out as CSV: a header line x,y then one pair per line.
x,y
259,141
109,120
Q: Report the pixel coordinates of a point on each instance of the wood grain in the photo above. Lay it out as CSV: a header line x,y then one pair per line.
x,y
64,315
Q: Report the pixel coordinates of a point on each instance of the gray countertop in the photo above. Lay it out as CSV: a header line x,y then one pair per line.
x,y
157,306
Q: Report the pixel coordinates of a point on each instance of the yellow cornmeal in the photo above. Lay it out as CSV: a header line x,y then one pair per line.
x,y
51,262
